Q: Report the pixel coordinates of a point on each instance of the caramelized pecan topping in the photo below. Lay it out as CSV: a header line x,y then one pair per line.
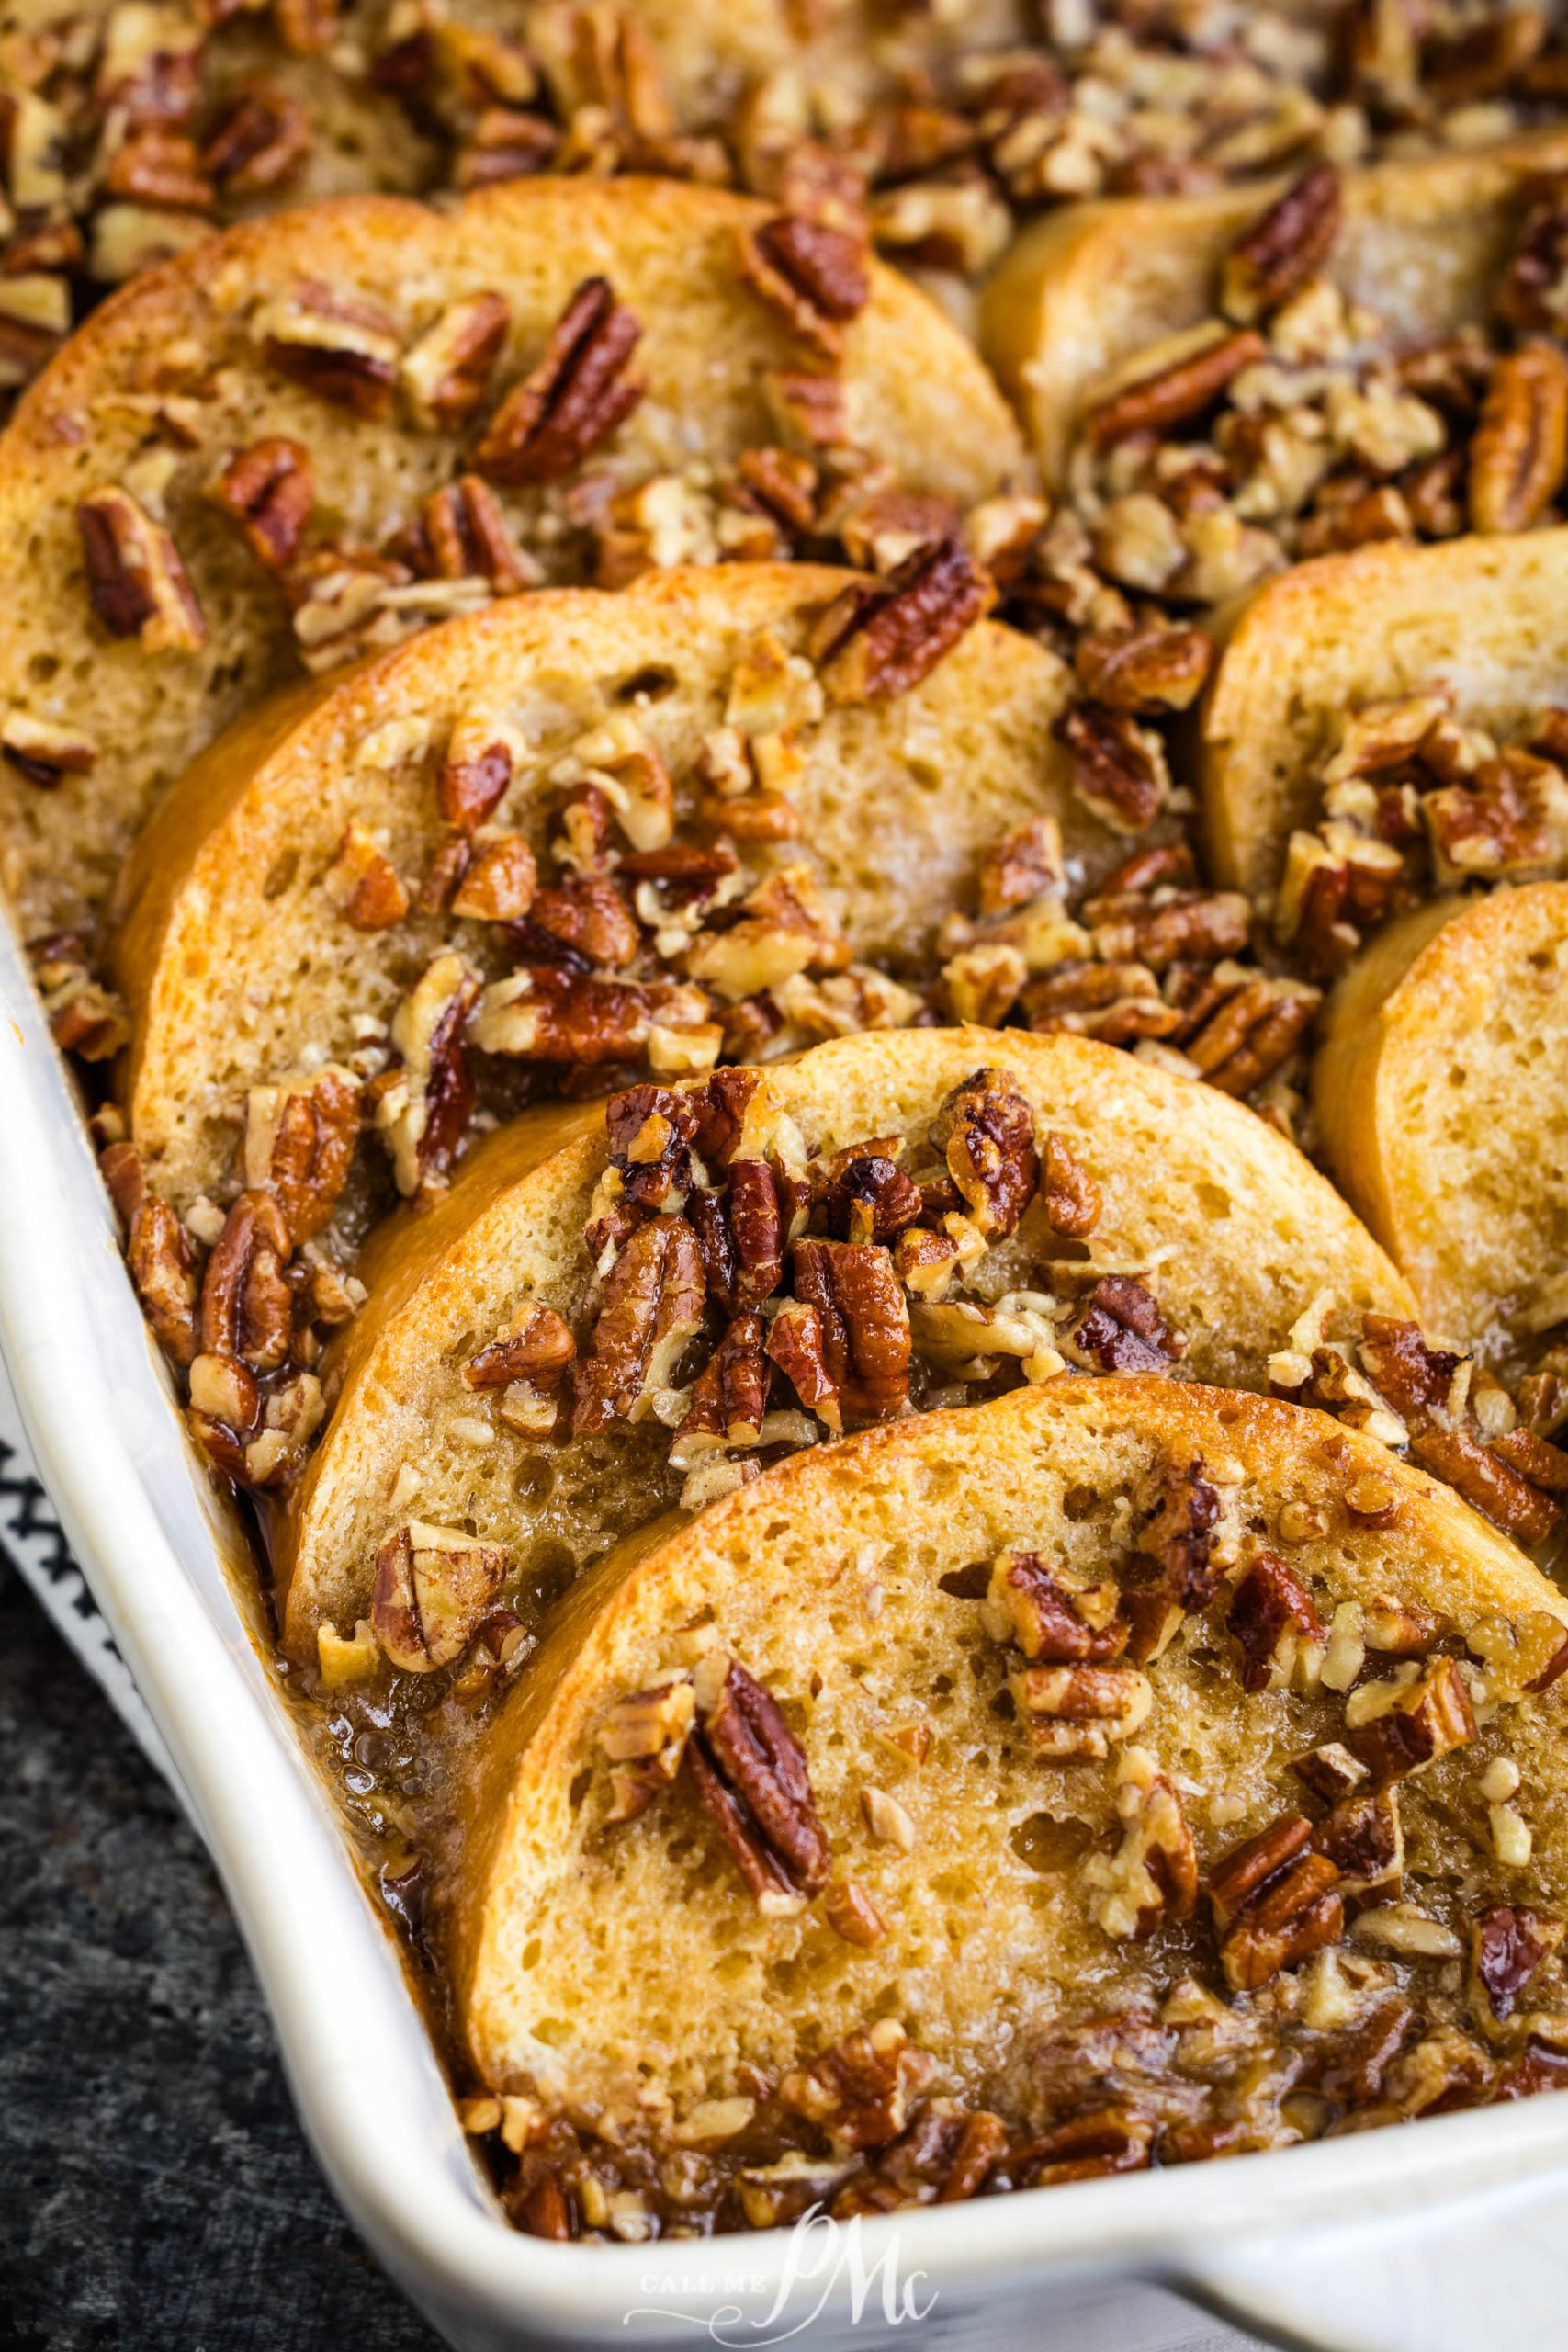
x,y
540,1349
1119,1329
1401,1726
468,538
1175,394
581,391
1520,450
1270,1613
1275,1902
447,373
338,345
859,2092
1073,1199
162,1267
299,1145
1118,768
1508,1944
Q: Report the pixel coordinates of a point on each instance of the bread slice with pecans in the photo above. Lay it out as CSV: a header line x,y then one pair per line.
x,y
311,436
625,829
1123,1773
1096,302
614,1310
1443,1120
1390,666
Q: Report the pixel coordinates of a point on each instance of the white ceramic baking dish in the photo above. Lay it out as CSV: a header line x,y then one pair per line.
x,y
1445,2233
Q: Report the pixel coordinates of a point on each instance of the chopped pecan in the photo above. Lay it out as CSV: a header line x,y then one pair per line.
x,y
1489,1481
433,1588
299,1145
653,1305
876,642
588,915
136,583
650,1131
269,488
815,274
1023,865
423,1114
1508,1944
1519,452
1499,821
1166,925
1362,1837
1179,1537
1275,1902
363,883
860,2090
1063,1624
84,1018
497,881
1533,295
645,1737
1108,2140
1073,1200
729,1397
1119,1329
539,1349
1288,245
1115,1002
466,535
1270,1614
984,1131
870,1198
752,1776
1175,392
261,139
337,345
581,391
247,1309
43,751
475,774
1153,1874
1398,1727
1119,769
1077,1713
546,1014
863,1322
1145,671
447,373
162,1267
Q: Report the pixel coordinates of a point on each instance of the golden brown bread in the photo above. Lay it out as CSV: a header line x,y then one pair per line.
x,y
213,333
1187,1194
1441,1112
1478,618
982,1857
242,968
1422,243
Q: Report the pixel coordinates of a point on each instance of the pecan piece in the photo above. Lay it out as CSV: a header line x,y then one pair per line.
x,y
1489,1482
653,1304
1077,1713
550,1016
1519,452
269,490
261,139
1177,393
299,1145
1362,1837
1289,244
1508,1944
863,1325
860,2090
984,1132
1275,1902
645,1735
247,1309
163,1268
874,642
1396,1728
363,883
1250,1033
136,583
869,1198
1119,769
729,1396
1064,1624
337,345
1153,1874
467,538
433,1588
816,274
1119,1329
1073,1199
752,1776
43,752
445,374
581,391
424,1114
588,915
1270,1614
475,775
539,1349
1179,1536
1532,295
1144,671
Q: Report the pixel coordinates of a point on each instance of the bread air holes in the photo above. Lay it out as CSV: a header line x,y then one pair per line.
x,y
548,1569
652,683
1214,1200
42,668
534,1479
280,874
1049,1847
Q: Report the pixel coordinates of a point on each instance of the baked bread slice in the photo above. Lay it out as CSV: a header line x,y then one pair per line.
x,y
980,1207
1122,1773
1439,1110
1476,623
1087,292
316,433
472,794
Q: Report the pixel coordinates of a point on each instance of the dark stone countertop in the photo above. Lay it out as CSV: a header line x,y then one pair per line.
x,y
158,2195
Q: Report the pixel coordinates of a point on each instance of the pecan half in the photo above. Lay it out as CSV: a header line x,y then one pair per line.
x,y
1519,452
433,1587
136,583
869,1198
1119,769
247,1309
475,774
653,1304
863,1325
1275,1902
1289,244
338,345
1363,1838
1270,1613
816,274
163,1268
752,1776
1489,1482
1119,1329
1508,1944
261,138
269,488
546,1014
581,391
299,1145
984,1132
873,643
1145,671
1176,393
468,538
